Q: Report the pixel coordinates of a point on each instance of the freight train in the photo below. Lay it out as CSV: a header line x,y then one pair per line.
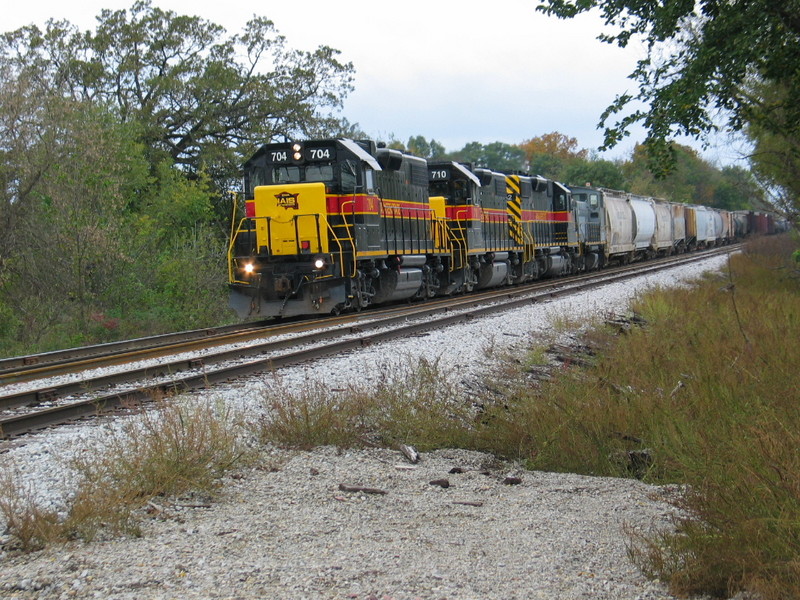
x,y
342,224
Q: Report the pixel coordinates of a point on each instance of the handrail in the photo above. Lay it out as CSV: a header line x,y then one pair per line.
x,y
239,229
251,220
349,233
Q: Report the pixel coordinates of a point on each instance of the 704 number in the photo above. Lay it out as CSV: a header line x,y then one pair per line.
x,y
282,156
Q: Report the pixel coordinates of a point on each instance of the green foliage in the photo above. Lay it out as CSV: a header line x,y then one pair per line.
x,y
547,165
498,156
115,146
701,59
201,101
419,146
598,173
92,237
64,218
738,190
694,181
776,156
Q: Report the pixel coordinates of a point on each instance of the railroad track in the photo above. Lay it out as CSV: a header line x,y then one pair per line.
x,y
308,340
39,366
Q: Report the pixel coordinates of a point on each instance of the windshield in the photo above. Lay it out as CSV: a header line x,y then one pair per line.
x,y
456,191
306,174
349,176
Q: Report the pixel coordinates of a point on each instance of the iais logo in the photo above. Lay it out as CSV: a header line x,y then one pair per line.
x,y
287,200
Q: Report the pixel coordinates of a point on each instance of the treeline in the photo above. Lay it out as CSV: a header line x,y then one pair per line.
x,y
119,149
558,156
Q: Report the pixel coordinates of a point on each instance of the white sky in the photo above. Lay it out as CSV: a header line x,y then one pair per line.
x,y
453,70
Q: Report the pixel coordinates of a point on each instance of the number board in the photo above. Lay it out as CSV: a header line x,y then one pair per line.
x,y
317,154
439,174
286,155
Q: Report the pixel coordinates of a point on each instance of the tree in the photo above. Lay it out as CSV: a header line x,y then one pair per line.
x,y
419,146
738,190
549,154
498,156
694,180
547,165
599,173
776,154
701,59
553,144
109,143
79,168
202,101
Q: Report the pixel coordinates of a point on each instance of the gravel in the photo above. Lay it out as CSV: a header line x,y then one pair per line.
x,y
290,531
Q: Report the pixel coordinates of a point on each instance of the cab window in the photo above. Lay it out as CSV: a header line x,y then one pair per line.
x,y
286,175
318,173
369,177
252,179
560,202
348,175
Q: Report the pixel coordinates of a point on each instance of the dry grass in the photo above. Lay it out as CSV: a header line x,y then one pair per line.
x,y
705,394
416,405
32,526
165,452
709,390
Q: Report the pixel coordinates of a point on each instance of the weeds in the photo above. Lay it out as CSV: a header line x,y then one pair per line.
x,y
425,410
703,394
31,525
709,389
165,452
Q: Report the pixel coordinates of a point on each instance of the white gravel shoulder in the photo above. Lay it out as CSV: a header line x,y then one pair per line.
x,y
291,533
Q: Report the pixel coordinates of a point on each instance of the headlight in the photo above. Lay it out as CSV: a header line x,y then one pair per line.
x,y
319,263
249,268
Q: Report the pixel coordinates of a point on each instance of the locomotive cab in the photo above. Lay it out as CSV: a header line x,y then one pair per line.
x,y
458,189
590,221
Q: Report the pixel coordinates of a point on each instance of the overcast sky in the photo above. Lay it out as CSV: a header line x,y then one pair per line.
x,y
453,70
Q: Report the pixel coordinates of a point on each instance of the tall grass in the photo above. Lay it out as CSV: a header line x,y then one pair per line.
x,y
165,452
709,388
